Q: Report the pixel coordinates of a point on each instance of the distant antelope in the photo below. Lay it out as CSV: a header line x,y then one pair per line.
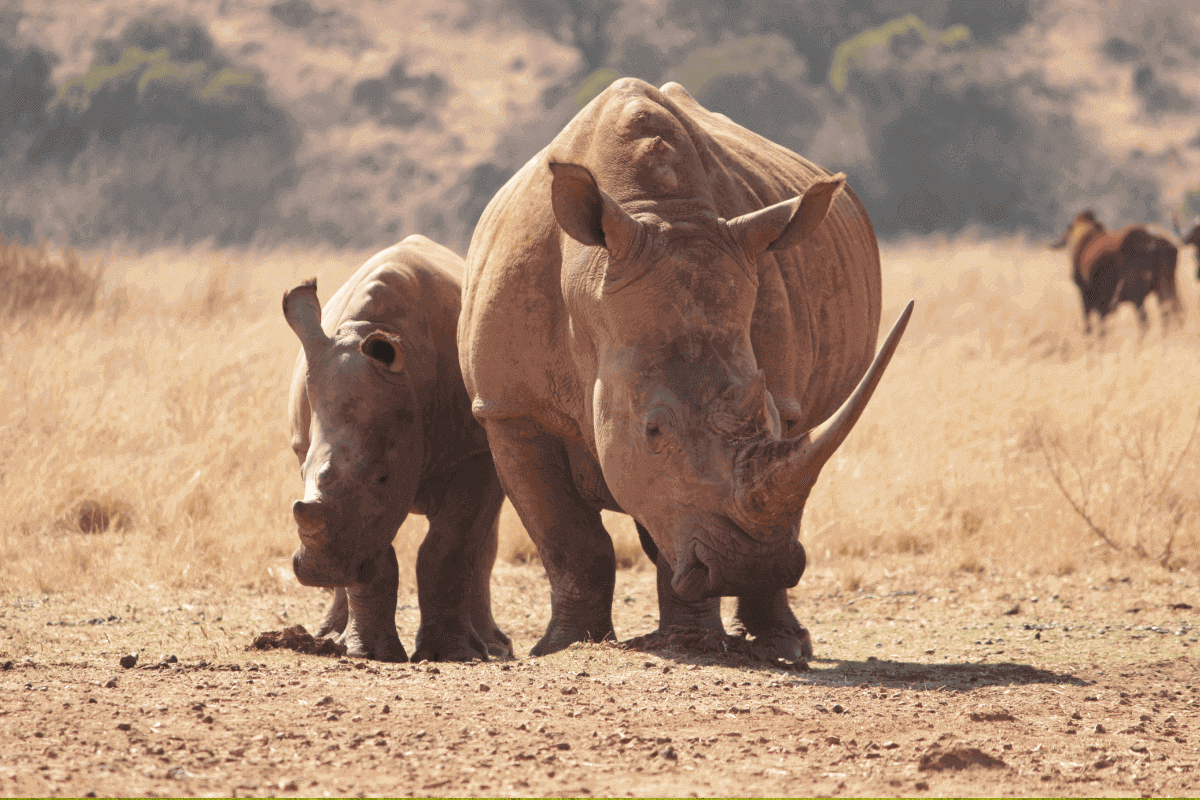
x,y
1126,265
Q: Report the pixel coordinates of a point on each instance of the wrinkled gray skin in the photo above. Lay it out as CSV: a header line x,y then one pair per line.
x,y
665,314
382,426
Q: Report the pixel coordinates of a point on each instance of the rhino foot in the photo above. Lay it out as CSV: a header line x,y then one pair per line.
x,y
560,636
499,645
788,646
450,645
378,647
769,620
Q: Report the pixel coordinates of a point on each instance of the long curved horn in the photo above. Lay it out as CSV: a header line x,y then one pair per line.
x,y
773,478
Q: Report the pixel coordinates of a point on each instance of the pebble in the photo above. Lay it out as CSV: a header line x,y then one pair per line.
x,y
129,661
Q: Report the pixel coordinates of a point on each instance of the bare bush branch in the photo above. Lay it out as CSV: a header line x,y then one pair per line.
x,y
1154,471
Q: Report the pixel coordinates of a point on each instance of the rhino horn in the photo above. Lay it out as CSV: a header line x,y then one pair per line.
x,y
310,522
302,310
747,399
774,477
742,405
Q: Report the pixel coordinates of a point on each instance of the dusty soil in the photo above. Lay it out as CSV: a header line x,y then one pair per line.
x,y
971,685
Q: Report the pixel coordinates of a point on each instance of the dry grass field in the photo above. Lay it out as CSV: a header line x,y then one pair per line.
x,y
144,441
1005,460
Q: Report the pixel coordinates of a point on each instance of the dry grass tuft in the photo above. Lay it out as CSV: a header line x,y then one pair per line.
x,y
32,282
146,443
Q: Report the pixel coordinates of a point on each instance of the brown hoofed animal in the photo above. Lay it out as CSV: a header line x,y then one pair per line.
x,y
665,314
382,425
1192,237
1126,265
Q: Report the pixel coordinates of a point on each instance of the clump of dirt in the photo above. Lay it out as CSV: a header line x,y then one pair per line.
x,y
958,758
717,647
990,712
299,639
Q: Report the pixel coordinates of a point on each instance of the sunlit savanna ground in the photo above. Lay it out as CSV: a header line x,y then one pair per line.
x,y
146,443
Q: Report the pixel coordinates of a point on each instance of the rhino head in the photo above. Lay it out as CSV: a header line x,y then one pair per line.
x,y
362,452
689,439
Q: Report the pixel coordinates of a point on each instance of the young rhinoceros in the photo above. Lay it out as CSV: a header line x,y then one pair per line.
x,y
382,425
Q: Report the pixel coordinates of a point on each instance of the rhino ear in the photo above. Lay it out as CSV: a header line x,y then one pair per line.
x,y
302,310
587,214
385,349
785,225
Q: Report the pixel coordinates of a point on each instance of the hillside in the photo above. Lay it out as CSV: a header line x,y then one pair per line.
x,y
359,122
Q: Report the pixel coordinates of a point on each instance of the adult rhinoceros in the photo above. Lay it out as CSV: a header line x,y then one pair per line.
x,y
382,426
657,310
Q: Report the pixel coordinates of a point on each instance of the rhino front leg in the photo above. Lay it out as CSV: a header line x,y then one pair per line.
x,y
337,615
575,549
454,568
768,618
672,611
370,630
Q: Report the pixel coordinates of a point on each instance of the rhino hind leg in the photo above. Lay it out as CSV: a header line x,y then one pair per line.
x,y
337,615
498,644
572,543
370,630
769,619
454,568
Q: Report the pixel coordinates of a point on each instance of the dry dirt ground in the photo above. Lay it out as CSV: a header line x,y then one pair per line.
x,y
968,685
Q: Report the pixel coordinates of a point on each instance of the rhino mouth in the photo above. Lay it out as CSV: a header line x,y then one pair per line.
x,y
692,581
703,573
312,569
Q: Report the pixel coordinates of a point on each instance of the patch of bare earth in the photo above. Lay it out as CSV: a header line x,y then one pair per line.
x,y
1088,687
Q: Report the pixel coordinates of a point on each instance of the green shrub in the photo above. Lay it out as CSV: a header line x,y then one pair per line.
x,y
166,139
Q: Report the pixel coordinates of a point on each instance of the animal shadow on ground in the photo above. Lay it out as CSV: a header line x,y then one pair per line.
x,y
704,646
950,677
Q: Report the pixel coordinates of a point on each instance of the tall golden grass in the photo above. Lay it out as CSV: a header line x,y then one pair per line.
x,y
144,438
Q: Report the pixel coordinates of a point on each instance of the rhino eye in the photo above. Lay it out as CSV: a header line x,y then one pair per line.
x,y
382,479
382,351
656,429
